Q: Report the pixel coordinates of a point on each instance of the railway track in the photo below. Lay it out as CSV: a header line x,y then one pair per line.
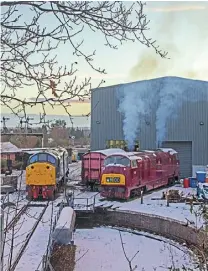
x,y
16,218
23,247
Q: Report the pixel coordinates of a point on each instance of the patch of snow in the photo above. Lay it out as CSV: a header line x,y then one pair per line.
x,y
104,251
37,247
171,151
8,147
75,171
110,151
22,228
177,211
65,218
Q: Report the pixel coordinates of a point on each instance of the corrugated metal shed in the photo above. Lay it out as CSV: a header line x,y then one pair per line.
x,y
188,132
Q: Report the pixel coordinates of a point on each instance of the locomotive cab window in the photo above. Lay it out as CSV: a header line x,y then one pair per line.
x,y
117,160
42,157
33,159
51,159
134,164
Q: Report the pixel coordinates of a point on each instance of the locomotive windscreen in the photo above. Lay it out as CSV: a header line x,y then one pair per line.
x,y
42,157
117,160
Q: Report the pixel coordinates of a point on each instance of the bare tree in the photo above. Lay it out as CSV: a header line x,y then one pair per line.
x,y
32,33
131,268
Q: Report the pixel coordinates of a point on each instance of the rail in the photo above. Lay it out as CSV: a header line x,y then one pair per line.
x,y
22,249
16,218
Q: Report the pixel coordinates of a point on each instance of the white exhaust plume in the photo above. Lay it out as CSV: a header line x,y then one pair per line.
x,y
137,100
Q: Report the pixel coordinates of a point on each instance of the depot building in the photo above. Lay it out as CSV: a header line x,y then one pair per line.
x,y
175,107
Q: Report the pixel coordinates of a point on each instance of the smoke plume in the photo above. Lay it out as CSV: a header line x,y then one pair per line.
x,y
137,100
187,50
134,104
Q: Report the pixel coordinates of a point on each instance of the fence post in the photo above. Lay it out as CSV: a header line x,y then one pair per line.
x,y
141,196
94,203
168,199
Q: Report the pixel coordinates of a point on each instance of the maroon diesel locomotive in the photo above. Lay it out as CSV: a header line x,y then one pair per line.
x,y
125,174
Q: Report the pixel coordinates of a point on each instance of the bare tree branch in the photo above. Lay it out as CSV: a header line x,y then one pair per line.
x,y
128,260
34,32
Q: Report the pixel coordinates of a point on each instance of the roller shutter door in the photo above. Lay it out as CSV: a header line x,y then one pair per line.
x,y
184,149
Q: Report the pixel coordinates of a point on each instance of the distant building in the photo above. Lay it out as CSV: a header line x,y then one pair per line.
x,y
186,126
9,150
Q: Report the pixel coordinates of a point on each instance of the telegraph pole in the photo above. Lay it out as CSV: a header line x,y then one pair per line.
x,y
4,120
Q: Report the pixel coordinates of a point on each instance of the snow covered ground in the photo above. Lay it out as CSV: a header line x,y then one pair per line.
x,y
75,171
32,257
94,238
101,249
17,237
177,211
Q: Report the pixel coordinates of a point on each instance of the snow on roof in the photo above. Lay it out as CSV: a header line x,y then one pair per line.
x,y
129,155
65,220
9,147
201,185
110,151
171,151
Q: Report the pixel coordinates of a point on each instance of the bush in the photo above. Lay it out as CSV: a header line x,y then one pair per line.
x,y
3,163
17,165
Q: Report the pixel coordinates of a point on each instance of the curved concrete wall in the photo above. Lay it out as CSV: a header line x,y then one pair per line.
x,y
169,228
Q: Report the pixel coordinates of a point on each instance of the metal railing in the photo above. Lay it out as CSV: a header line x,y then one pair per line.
x,y
87,204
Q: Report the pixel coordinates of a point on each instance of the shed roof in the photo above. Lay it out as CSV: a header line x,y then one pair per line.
x,y
8,147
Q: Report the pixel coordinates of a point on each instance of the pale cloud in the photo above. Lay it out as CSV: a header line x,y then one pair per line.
x,y
177,8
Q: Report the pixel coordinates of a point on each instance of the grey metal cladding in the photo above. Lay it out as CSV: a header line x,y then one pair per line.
x,y
184,149
106,121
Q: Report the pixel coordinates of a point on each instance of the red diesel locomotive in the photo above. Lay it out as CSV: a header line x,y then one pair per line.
x,y
124,175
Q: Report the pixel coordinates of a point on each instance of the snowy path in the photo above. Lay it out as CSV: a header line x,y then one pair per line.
x,y
32,257
104,251
22,228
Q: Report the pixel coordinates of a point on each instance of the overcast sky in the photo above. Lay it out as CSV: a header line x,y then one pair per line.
x,y
181,28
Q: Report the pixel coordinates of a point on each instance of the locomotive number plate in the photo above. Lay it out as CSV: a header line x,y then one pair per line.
x,y
113,180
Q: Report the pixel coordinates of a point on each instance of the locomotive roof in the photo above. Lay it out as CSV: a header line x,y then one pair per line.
x,y
171,151
129,155
110,151
55,151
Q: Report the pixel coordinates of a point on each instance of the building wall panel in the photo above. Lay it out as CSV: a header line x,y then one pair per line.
x,y
106,123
